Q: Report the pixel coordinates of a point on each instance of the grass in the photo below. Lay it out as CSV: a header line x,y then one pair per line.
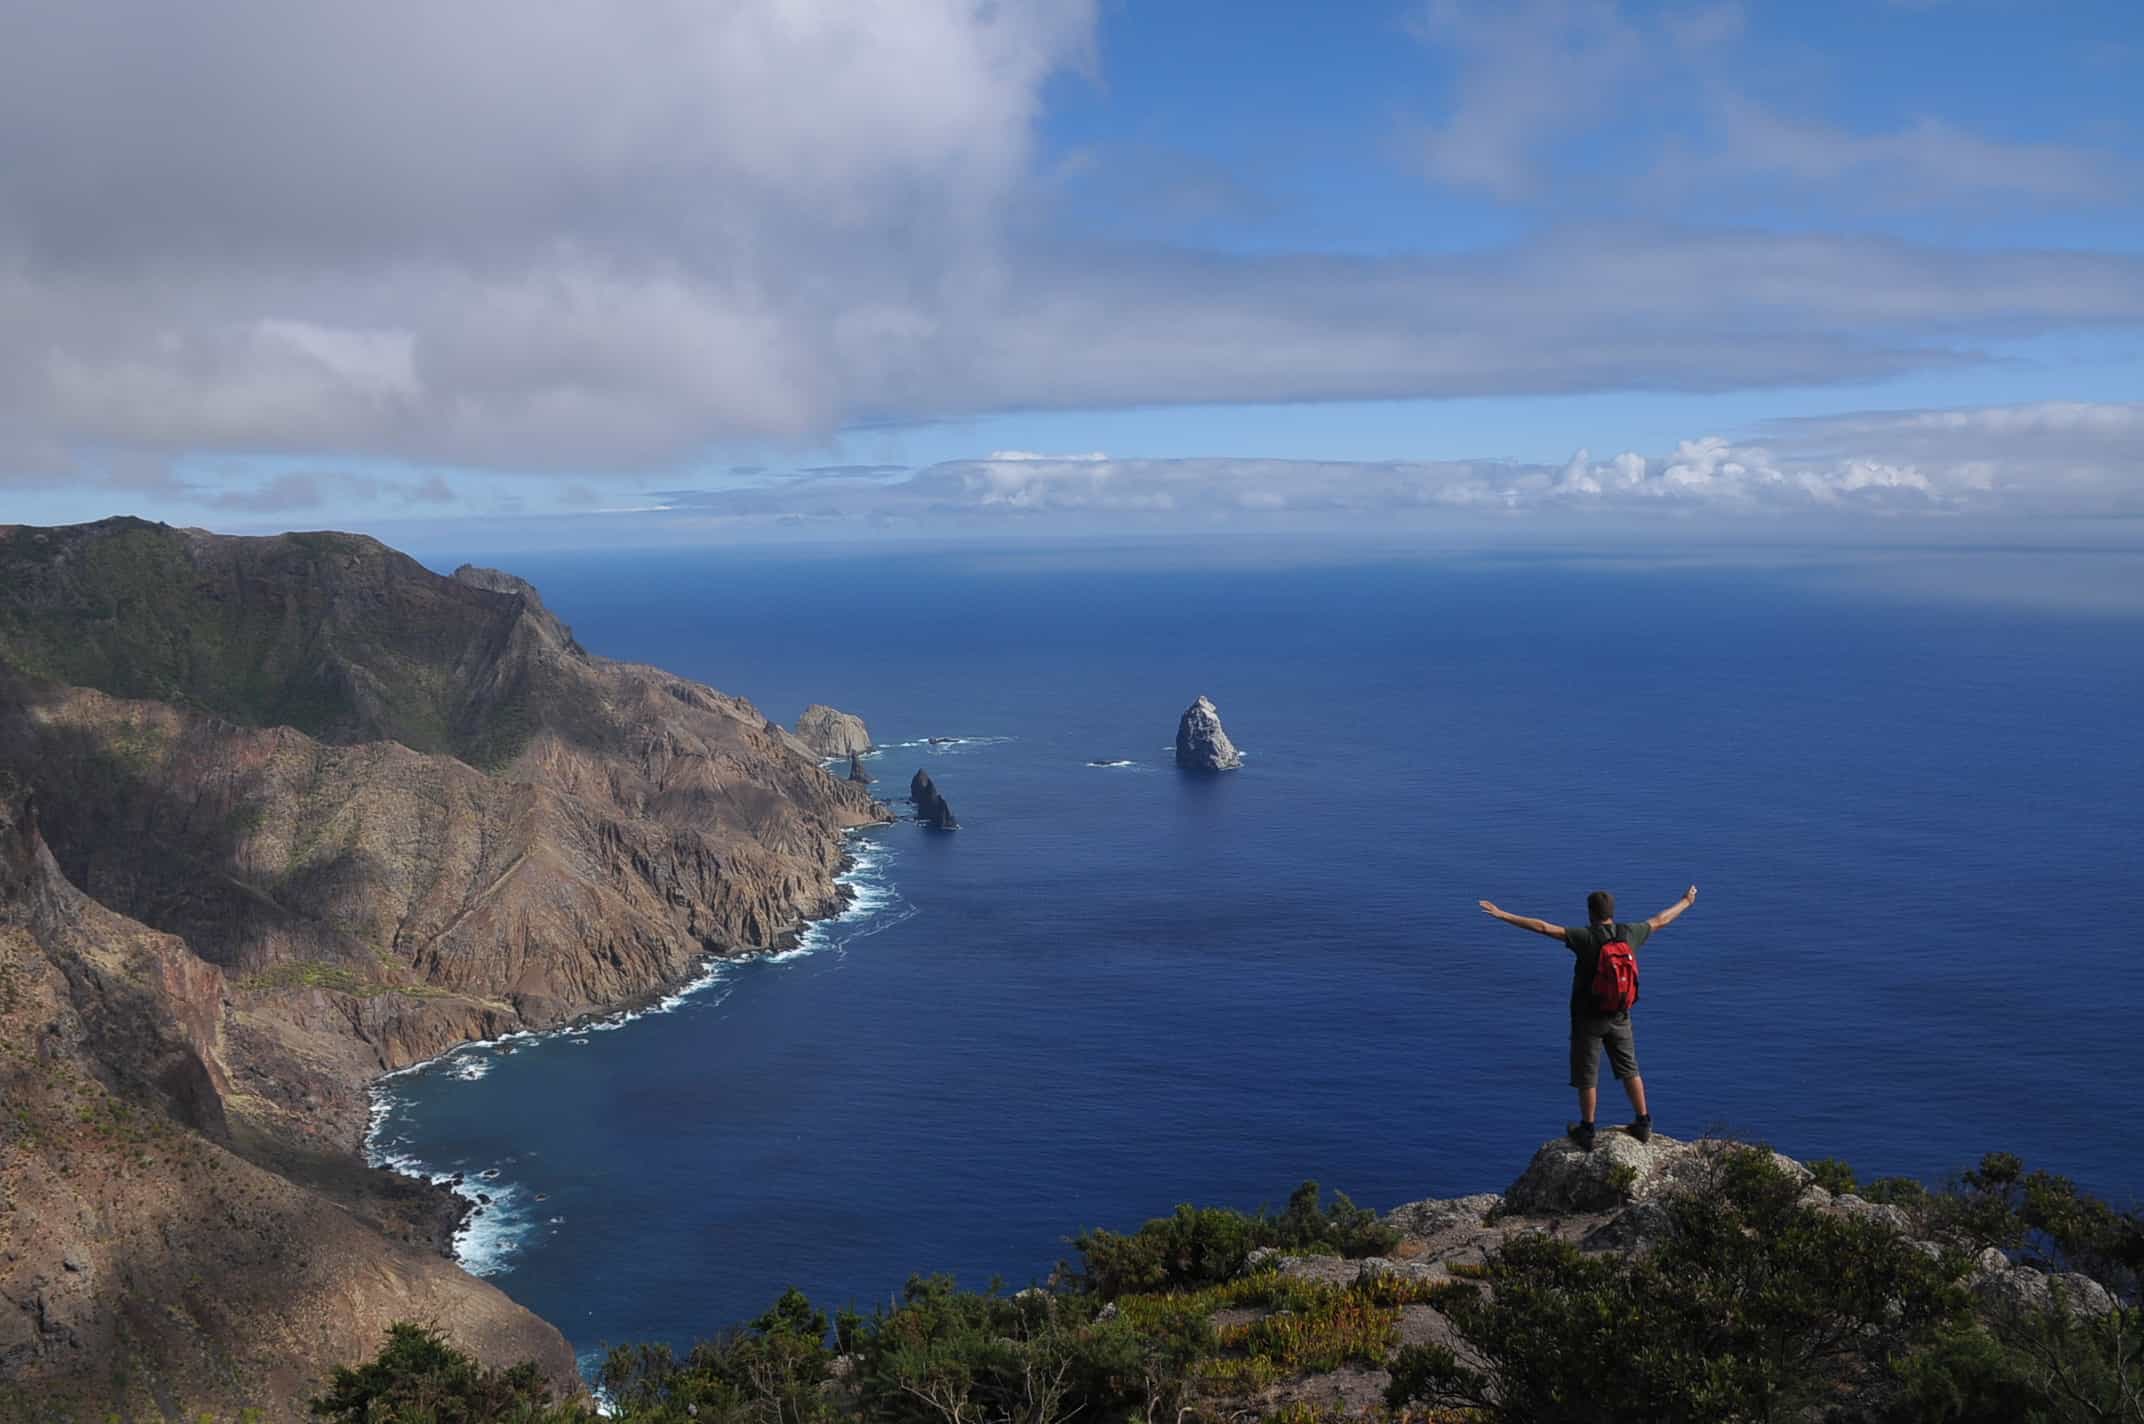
x,y
1307,1327
306,974
332,634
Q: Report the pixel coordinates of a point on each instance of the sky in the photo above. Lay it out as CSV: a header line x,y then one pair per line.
x,y
688,272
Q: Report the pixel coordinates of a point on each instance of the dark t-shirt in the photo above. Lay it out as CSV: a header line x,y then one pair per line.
x,y
1585,946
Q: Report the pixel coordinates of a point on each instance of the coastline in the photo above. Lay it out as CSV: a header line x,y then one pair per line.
x,y
476,1201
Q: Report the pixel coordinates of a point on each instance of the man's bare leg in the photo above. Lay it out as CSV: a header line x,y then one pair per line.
x,y
1588,1100
1635,1086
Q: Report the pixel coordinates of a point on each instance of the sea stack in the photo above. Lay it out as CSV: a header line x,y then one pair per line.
x,y
1201,744
931,808
857,773
831,732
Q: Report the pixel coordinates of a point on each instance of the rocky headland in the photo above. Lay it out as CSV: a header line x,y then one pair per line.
x,y
306,812
1201,743
831,732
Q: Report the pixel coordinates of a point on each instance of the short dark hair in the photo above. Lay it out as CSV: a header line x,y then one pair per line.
x,y
1600,907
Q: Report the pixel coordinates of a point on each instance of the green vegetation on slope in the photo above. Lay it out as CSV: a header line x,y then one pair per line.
x,y
334,634
1753,1307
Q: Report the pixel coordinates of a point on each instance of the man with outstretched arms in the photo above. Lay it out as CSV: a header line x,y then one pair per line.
x,y
1604,984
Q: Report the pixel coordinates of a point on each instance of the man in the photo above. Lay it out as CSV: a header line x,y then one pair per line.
x,y
1591,1029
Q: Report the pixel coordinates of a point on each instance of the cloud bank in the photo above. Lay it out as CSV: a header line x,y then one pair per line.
x,y
2052,459
585,238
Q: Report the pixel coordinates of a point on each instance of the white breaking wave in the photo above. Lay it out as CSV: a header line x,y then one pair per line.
x,y
489,1236
944,744
493,1232
1112,764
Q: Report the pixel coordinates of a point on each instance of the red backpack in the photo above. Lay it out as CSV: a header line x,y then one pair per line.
x,y
1615,974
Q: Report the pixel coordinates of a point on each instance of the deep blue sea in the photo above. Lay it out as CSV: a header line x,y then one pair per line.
x,y
1908,785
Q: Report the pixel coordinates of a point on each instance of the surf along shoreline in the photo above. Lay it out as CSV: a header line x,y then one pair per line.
x,y
468,1204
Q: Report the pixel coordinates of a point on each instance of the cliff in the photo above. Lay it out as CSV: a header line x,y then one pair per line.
x,y
365,812
831,732
146,1269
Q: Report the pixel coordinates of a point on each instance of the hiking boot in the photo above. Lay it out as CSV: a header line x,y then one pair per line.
x,y
1641,1127
1582,1134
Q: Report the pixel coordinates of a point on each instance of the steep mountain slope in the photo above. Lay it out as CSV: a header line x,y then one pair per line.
x,y
373,894
147,1271
310,812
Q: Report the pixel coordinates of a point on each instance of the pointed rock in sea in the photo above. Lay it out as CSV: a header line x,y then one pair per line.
x,y
1201,744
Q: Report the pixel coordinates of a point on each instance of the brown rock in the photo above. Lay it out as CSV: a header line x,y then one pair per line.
x,y
166,1275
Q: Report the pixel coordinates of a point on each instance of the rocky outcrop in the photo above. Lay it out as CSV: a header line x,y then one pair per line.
x,y
1201,744
1618,1198
148,1270
832,733
312,812
373,900
1427,1218
931,807
857,774
1564,1179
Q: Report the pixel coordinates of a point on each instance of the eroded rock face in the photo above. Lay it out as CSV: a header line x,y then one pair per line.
x,y
371,892
931,807
1201,744
832,733
125,1195
857,774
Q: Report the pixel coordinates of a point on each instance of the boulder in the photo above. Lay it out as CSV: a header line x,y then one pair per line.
x,y
1634,1228
857,773
1565,1180
1427,1218
831,732
1882,1213
1201,744
2022,1290
931,807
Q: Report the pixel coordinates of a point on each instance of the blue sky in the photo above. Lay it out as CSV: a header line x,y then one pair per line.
x,y
698,274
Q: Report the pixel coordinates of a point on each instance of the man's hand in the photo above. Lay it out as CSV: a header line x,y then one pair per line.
x,y
1491,907
1667,917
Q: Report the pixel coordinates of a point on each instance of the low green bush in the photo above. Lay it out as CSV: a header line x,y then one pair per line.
x,y
1200,1246
418,1378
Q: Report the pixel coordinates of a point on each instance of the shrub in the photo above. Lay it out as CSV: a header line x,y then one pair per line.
x,y
1755,1308
1832,1175
775,1368
1196,1246
1200,1246
419,1378
2048,1368
948,1355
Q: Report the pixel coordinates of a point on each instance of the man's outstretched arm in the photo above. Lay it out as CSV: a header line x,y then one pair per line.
x,y
1667,917
1539,927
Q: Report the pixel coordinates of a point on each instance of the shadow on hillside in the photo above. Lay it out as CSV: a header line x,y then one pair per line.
x,y
151,820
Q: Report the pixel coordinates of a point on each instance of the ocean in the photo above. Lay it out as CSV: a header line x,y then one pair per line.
x,y
1908,785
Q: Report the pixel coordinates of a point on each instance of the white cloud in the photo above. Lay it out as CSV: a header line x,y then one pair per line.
x,y
1991,461
1540,88
1527,74
588,238
500,232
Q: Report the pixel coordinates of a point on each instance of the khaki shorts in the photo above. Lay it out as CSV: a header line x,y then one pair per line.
x,y
1589,1035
